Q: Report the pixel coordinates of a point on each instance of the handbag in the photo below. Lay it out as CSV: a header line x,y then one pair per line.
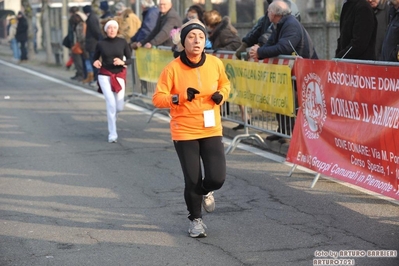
x,y
76,49
67,42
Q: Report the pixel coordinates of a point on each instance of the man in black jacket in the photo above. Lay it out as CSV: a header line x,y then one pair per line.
x,y
390,46
288,37
358,31
93,35
261,31
22,35
381,11
168,19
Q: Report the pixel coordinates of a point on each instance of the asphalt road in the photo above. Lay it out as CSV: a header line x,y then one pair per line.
x,y
68,197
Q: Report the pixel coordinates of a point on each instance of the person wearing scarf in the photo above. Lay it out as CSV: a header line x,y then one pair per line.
x,y
193,86
116,55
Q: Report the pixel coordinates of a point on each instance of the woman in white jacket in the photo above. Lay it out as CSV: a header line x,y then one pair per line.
x,y
12,30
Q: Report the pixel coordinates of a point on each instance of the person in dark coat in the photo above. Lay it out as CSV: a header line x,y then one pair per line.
x,y
194,12
150,16
222,34
77,22
358,31
22,35
104,7
93,35
167,20
381,11
390,45
288,37
261,31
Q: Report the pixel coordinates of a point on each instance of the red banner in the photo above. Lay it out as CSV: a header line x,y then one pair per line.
x,y
347,123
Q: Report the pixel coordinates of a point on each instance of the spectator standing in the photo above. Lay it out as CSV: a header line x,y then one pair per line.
x,y
105,12
12,30
115,56
358,31
193,86
197,12
21,36
223,36
78,49
381,11
93,35
261,31
130,22
193,12
69,38
150,16
259,34
390,45
288,37
167,20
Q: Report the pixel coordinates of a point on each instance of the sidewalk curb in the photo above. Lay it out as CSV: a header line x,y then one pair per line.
x,y
39,64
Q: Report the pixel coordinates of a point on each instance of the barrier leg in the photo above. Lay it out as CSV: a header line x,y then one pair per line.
x,y
158,110
237,139
292,169
315,180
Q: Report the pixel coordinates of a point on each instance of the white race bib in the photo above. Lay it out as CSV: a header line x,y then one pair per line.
x,y
209,118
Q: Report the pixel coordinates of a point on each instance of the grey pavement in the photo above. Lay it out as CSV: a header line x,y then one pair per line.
x,y
67,197
38,63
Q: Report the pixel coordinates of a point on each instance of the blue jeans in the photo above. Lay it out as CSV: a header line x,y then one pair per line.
x,y
89,67
15,49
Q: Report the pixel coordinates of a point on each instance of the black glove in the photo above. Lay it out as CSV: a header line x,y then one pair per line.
x,y
217,97
241,49
191,92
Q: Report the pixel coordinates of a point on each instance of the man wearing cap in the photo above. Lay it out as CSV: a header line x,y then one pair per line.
x,y
193,86
22,35
168,19
105,10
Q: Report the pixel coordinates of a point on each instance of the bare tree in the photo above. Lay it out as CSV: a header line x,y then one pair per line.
x,y
28,14
95,7
46,31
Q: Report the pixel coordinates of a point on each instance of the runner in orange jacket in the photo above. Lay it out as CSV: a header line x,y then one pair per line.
x,y
193,86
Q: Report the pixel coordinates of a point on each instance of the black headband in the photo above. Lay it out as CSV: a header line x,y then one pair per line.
x,y
188,28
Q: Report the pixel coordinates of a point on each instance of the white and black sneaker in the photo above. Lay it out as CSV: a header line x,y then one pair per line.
x,y
197,228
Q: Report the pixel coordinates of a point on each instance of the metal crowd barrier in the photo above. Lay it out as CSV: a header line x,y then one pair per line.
x,y
259,121
144,90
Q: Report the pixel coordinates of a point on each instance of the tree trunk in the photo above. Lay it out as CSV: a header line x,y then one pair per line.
x,y
95,7
208,5
47,33
28,14
259,12
233,11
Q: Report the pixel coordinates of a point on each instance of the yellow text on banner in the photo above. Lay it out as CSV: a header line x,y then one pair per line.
x,y
267,87
150,63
